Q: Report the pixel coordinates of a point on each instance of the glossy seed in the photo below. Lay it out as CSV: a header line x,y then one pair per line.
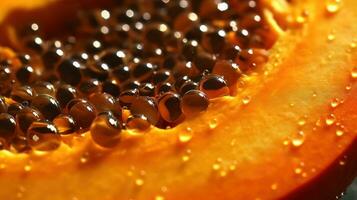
x,y
127,97
22,94
230,71
65,93
194,102
51,57
111,87
105,130
89,86
114,58
8,128
102,102
138,122
187,86
214,86
3,105
42,87
70,71
47,105
65,124
143,71
14,108
170,107
43,136
26,116
83,113
147,89
121,73
146,106
25,74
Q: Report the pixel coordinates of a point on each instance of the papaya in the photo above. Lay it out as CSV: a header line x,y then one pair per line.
x,y
289,132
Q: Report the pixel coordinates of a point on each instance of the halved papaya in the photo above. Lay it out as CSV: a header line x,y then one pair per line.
x,y
289,133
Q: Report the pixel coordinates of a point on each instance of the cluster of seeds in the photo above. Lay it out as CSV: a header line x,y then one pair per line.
x,y
138,64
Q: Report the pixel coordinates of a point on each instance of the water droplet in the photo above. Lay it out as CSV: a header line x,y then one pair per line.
x,y
330,119
348,87
299,139
246,100
333,6
139,182
318,123
185,158
342,162
129,173
233,142
274,186
2,166
335,102
223,173
354,73
298,170
331,37
213,124
302,122
216,166
27,168
159,197
83,160
339,132
232,167
286,142
185,136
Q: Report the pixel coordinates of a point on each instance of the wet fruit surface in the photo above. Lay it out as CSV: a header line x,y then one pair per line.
x,y
231,137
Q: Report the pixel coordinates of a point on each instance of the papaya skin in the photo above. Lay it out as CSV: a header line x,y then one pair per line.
x,y
238,150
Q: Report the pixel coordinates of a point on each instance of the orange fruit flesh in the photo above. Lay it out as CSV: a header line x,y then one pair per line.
x,y
271,141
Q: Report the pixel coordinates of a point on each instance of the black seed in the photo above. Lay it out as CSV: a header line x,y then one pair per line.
x,y
42,87
14,108
43,136
25,74
138,122
204,61
51,57
143,71
8,127
187,86
65,124
105,130
161,76
194,102
97,70
121,73
89,86
128,96
65,93
47,105
147,89
170,107
114,58
3,105
189,50
146,106
22,94
214,86
26,116
70,71
83,113
163,88
111,87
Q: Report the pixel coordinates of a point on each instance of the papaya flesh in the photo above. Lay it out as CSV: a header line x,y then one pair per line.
x,y
290,133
